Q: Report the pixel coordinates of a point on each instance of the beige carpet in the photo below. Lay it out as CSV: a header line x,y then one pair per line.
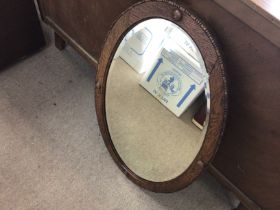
x,y
52,155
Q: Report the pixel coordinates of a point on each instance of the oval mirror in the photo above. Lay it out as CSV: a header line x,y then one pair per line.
x,y
161,95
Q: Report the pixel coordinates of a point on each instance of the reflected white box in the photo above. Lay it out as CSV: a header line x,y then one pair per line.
x,y
174,80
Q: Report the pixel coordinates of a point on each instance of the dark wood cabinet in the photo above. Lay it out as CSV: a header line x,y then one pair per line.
x,y
20,33
247,161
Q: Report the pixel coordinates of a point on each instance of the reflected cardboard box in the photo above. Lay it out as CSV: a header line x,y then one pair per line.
x,y
174,81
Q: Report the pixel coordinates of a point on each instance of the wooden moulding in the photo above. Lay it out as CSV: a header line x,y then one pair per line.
x,y
258,15
211,54
245,202
61,37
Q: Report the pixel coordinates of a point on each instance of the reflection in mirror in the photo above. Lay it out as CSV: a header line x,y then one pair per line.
x,y
157,100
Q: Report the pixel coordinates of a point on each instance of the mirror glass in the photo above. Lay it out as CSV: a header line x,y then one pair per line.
x,y
157,100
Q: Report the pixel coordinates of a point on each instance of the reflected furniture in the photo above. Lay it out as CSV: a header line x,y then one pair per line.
x,y
248,34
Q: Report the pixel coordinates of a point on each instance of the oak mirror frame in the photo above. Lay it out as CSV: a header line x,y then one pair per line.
x,y
118,111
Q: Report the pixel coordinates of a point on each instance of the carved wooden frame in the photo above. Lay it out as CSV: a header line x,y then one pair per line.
x,y
210,52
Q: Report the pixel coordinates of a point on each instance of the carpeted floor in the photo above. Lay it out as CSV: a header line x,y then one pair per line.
x,y
51,152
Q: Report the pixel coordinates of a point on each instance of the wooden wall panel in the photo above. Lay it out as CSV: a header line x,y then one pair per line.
x,y
86,21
